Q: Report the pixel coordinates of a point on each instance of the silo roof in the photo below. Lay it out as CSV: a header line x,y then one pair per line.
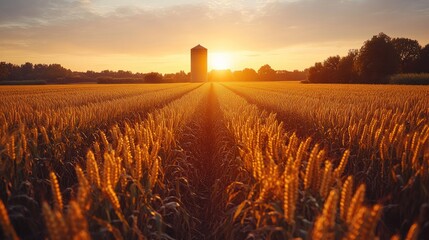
x,y
199,47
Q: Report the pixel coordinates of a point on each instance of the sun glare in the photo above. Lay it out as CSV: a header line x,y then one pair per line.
x,y
219,61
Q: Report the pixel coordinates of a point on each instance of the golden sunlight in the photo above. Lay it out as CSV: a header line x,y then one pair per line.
x,y
219,61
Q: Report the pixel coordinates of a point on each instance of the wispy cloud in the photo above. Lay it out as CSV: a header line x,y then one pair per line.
x,y
171,27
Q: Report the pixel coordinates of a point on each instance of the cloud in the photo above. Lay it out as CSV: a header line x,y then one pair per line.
x,y
77,27
335,20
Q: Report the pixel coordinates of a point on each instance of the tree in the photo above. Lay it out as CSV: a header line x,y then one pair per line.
x,y
409,52
153,77
330,69
335,69
181,77
326,72
377,60
5,70
56,71
423,62
285,75
315,73
346,70
27,70
249,74
266,73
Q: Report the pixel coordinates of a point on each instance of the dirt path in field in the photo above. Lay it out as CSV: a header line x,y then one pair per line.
x,y
206,165
209,147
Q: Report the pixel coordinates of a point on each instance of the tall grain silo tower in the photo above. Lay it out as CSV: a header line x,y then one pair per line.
x,y
199,64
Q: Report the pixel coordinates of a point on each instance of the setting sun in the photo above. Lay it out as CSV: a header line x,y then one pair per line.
x,y
219,61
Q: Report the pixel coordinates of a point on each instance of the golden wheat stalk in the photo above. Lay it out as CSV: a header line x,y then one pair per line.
x,y
105,141
50,222
309,171
54,221
12,151
324,227
76,221
371,223
63,228
356,232
396,237
290,197
300,153
137,172
413,232
56,192
316,177
5,223
346,196
356,203
326,179
83,190
35,136
97,151
92,169
340,169
107,170
24,143
45,135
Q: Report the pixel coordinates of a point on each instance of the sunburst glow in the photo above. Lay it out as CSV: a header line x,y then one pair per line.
x,y
219,61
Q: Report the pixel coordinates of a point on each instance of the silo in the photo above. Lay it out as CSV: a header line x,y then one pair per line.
x,y
199,64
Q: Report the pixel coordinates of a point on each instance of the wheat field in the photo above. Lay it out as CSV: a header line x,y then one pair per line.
x,y
214,161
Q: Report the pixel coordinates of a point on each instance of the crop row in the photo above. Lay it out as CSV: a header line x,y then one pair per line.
x,y
214,161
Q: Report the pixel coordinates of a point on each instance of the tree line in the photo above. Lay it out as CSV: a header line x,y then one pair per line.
x,y
264,73
55,73
28,71
379,58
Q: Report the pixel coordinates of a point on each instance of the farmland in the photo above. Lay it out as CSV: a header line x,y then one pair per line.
x,y
214,161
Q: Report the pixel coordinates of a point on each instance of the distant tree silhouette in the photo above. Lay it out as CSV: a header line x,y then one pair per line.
x,y
346,70
5,70
315,73
27,70
423,61
55,71
153,77
247,74
328,72
177,77
284,75
124,74
409,52
182,77
238,76
331,69
266,73
377,60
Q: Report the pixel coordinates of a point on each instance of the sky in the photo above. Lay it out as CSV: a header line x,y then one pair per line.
x,y
157,35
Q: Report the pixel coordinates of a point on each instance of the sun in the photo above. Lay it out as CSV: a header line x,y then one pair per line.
x,y
219,61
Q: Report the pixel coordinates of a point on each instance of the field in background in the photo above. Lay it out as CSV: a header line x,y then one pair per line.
x,y
410,79
214,161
